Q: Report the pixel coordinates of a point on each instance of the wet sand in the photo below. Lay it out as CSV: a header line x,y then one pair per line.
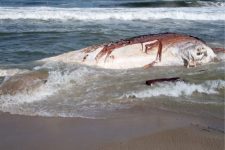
x,y
131,130
188,138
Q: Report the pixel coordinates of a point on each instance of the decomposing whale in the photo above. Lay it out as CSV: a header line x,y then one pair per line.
x,y
165,49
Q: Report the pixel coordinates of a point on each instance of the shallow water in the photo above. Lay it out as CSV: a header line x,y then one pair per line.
x,y
79,91
34,30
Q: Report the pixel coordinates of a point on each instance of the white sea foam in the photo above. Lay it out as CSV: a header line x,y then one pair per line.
x,y
11,72
178,89
57,80
211,4
88,14
221,56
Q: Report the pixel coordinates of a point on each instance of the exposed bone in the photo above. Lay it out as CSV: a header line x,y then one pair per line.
x,y
191,63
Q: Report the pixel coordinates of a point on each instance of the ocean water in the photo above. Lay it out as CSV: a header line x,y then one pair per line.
x,y
35,29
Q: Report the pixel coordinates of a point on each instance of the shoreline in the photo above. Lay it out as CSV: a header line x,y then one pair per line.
x,y
131,130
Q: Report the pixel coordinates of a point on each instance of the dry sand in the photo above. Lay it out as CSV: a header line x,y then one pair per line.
x,y
152,130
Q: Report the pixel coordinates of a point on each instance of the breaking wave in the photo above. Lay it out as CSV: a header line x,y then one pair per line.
x,y
174,3
57,80
11,72
79,91
91,14
211,4
65,94
179,89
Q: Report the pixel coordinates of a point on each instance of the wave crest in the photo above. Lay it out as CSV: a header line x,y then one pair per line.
x,y
91,14
57,80
211,4
179,89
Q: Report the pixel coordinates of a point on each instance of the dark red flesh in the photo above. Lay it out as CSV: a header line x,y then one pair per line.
x,y
218,50
161,40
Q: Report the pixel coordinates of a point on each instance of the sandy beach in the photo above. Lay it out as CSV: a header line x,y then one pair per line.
x,y
136,130
176,139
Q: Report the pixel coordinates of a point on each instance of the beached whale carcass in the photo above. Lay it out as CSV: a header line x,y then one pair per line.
x,y
165,49
142,51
